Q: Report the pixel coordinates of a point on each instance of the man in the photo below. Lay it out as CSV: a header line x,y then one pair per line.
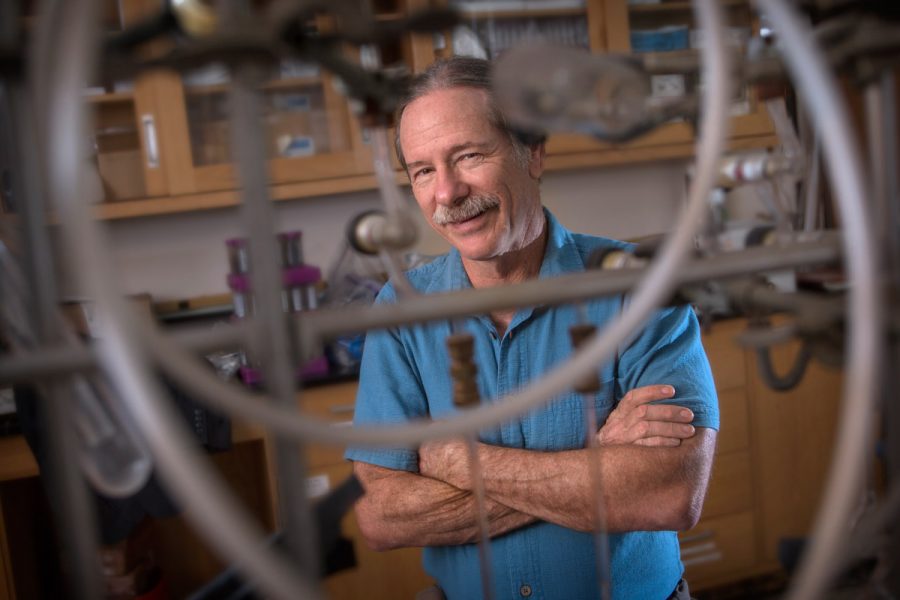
x,y
478,186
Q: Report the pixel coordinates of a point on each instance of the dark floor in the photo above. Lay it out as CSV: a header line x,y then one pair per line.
x,y
775,588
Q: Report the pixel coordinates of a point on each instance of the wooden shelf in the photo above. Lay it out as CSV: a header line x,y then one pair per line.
x,y
275,84
675,7
193,202
111,98
293,82
390,16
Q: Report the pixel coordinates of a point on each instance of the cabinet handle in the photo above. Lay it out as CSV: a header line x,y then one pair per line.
x,y
150,142
702,559
703,535
339,409
698,549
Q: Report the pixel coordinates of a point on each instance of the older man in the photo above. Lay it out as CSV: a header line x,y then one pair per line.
x,y
478,186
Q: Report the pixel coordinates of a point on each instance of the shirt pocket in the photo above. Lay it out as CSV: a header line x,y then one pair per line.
x,y
562,424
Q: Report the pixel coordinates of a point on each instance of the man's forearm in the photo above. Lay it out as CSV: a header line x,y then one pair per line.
x,y
642,488
403,509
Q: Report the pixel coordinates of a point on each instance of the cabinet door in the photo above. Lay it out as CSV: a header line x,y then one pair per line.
x,y
124,141
309,131
794,434
122,162
618,26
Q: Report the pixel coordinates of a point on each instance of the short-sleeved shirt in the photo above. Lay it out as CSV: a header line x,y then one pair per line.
x,y
405,375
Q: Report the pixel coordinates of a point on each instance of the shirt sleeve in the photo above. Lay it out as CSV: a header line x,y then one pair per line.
x,y
669,351
389,393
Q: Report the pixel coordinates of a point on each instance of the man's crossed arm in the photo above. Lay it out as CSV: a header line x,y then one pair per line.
x,y
652,468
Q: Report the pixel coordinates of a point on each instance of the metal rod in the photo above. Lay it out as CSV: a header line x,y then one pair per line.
x,y
565,289
481,519
877,134
881,130
812,206
61,359
824,248
74,506
272,346
601,538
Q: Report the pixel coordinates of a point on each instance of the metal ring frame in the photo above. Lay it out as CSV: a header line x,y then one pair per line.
x,y
208,505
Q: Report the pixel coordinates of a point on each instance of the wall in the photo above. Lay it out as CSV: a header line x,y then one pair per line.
x,y
184,256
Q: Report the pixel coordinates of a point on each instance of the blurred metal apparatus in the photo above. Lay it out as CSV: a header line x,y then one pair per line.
x,y
558,88
176,354
265,36
122,356
552,89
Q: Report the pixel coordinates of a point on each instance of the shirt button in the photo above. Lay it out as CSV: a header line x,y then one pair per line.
x,y
525,590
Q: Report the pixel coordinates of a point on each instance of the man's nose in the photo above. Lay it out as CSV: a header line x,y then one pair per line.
x,y
449,187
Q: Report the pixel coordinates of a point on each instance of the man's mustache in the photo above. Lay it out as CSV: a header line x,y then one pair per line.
x,y
468,208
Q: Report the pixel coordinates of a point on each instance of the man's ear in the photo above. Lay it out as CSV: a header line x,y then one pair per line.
x,y
537,153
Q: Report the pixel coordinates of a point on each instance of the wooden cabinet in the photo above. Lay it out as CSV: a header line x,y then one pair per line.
x,y
308,129
123,145
612,26
773,452
395,574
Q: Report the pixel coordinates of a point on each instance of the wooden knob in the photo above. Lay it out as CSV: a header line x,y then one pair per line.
x,y
463,370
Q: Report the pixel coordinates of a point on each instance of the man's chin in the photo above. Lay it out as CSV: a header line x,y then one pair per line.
x,y
476,252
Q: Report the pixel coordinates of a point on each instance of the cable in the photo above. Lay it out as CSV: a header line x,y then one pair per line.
x,y
788,381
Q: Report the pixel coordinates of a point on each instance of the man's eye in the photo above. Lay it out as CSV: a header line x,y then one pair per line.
x,y
470,156
420,172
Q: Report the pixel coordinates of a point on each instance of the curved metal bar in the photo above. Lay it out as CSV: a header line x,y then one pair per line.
x,y
809,71
207,504
204,498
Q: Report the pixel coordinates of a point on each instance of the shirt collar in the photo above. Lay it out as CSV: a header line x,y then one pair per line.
x,y
561,255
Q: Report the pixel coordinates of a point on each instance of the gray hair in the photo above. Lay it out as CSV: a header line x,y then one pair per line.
x,y
460,71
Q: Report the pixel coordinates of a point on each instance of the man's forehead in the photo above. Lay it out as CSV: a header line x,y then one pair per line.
x,y
460,112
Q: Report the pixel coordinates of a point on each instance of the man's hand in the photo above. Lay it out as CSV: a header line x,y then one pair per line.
x,y
636,421
447,461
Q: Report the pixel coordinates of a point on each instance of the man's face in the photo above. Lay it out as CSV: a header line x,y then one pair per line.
x,y
470,184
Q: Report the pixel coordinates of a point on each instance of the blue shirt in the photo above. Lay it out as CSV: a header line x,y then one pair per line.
x,y
405,374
